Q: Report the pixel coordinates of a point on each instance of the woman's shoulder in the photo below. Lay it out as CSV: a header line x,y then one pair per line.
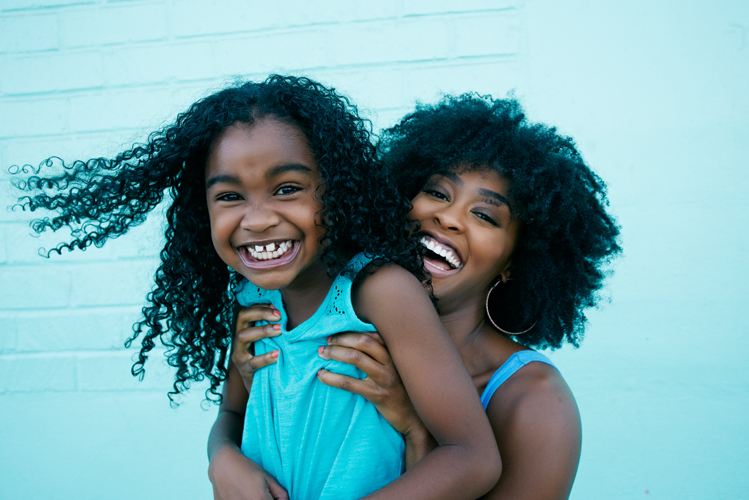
x,y
535,403
536,423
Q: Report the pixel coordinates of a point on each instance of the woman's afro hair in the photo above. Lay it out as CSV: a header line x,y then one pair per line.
x,y
191,305
566,235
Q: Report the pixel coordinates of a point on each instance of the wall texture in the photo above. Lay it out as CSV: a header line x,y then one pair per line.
x,y
654,93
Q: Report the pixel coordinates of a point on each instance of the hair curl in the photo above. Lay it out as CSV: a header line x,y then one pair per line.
x,y
190,307
566,236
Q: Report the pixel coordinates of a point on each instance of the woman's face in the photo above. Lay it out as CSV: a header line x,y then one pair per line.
x,y
468,229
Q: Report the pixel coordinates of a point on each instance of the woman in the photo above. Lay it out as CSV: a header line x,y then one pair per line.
x,y
516,235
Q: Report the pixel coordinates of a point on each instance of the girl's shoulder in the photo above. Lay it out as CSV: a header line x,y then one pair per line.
x,y
377,288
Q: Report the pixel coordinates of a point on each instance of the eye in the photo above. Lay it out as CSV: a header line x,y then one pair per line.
x,y
486,217
228,197
288,189
435,193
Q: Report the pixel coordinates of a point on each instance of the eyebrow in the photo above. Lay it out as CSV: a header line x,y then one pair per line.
x,y
486,193
274,171
289,167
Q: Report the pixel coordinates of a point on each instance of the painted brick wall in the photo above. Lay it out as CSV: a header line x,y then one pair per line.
x,y
655,95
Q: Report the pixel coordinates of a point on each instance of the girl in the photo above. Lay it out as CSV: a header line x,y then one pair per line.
x,y
276,180
517,232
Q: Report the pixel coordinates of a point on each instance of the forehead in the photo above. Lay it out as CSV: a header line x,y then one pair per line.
x,y
485,176
267,142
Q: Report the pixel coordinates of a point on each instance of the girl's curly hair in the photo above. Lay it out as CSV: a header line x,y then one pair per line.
x,y
190,307
566,236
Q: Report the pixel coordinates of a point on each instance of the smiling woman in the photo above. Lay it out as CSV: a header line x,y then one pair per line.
x,y
517,234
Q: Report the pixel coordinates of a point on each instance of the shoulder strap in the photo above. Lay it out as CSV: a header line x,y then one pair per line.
x,y
508,368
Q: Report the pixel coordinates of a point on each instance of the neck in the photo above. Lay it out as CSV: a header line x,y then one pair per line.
x,y
481,347
305,294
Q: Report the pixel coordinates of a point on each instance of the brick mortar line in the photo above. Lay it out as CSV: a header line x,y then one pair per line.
x,y
226,79
159,352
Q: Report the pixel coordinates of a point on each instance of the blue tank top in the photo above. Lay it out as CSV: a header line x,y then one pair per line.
x,y
317,441
508,368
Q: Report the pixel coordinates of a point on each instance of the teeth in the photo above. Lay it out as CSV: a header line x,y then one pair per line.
x,y
269,251
443,252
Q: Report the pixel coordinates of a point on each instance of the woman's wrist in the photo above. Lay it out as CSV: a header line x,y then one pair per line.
x,y
419,442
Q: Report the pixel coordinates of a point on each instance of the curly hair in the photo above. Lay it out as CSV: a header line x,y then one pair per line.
x,y
190,306
566,235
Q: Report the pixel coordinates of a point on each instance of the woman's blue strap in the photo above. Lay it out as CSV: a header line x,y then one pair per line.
x,y
508,368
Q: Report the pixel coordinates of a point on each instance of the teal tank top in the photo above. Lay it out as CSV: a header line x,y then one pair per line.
x,y
319,442
515,362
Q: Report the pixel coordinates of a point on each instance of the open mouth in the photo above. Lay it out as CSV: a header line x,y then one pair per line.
x,y
268,255
440,260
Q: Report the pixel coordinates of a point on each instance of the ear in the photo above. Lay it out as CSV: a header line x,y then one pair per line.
x,y
506,272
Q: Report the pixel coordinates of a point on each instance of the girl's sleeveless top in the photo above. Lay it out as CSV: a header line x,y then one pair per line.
x,y
319,442
508,368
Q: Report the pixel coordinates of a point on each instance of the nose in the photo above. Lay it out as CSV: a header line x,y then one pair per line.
x,y
259,218
449,218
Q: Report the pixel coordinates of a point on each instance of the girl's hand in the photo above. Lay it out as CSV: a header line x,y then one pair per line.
x,y
245,333
235,477
382,386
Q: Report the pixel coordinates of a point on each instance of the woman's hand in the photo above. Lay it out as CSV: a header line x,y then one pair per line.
x,y
235,477
245,333
382,387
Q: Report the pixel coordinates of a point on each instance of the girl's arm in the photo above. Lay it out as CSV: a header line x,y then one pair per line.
x,y
466,463
234,476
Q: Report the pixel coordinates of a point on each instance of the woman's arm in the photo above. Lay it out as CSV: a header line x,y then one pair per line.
x,y
466,463
537,426
234,476
534,417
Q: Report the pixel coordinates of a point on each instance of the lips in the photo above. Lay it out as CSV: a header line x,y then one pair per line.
x,y
268,255
441,259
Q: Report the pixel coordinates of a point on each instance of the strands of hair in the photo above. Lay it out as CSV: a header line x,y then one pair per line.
x,y
566,236
191,304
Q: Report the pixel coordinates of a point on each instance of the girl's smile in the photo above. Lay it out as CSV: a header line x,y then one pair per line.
x,y
261,188
468,230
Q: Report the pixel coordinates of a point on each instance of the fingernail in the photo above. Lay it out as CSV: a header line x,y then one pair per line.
x,y
276,313
318,372
276,327
274,354
320,350
329,339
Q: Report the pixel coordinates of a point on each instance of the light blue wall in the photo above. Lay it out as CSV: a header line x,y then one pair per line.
x,y
655,94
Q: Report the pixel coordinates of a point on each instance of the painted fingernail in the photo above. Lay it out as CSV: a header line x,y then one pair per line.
x,y
276,313
318,372
274,354
329,339
276,327
320,350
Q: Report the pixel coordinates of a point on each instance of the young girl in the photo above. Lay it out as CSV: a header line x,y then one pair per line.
x,y
276,180
517,232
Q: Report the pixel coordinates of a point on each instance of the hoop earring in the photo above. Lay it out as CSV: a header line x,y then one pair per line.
x,y
488,315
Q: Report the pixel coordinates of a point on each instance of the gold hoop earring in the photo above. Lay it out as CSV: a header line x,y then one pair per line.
x,y
488,315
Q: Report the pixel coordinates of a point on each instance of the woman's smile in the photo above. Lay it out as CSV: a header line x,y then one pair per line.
x,y
467,229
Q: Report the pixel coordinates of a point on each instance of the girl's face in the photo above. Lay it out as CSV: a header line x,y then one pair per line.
x,y
261,186
467,227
